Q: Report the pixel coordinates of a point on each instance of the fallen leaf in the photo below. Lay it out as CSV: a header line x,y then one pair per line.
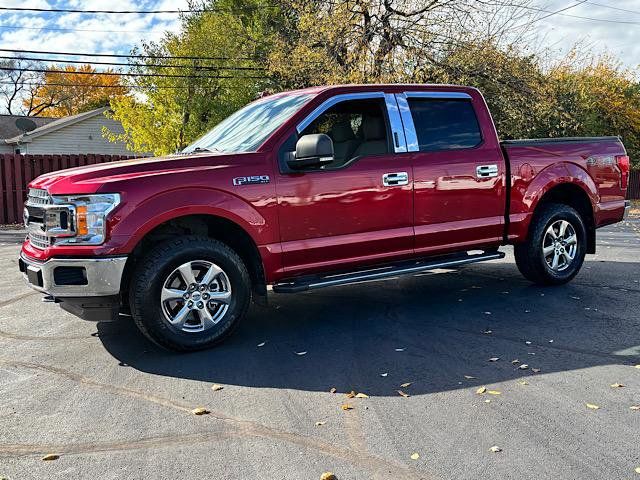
x,y
384,374
515,362
635,407
527,342
494,359
301,353
333,390
362,395
346,406
535,370
400,349
262,344
523,382
551,341
487,401
617,385
592,406
215,387
469,377
200,411
415,456
481,390
405,385
319,424
495,449
487,313
494,392
50,456
328,476
402,394
351,394
488,332
524,366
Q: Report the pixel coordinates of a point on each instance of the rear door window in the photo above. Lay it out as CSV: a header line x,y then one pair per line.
x,y
444,124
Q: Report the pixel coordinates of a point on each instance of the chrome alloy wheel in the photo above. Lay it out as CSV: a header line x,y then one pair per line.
x,y
560,245
195,296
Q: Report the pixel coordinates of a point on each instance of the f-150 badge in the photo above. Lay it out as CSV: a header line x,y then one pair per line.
x,y
252,180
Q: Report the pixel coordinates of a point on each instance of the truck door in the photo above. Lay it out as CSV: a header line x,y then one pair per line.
x,y
459,171
359,208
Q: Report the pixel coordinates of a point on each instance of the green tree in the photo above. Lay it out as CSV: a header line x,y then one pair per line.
x,y
229,46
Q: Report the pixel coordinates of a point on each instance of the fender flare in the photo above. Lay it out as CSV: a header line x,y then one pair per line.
x,y
556,175
152,212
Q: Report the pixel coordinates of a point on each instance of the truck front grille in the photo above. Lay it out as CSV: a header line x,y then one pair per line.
x,y
34,217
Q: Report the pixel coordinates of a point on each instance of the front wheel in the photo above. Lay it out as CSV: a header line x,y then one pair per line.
x,y
189,293
555,248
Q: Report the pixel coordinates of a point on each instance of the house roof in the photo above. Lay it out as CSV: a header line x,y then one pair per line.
x,y
9,129
56,124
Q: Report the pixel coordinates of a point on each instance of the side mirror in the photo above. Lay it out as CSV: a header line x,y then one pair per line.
x,y
312,150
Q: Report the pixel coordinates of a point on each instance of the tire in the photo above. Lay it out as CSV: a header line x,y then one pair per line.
x,y
532,256
175,318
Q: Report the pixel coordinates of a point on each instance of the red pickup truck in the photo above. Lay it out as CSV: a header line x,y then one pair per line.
x,y
318,187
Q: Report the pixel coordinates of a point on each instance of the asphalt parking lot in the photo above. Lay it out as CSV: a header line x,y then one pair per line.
x,y
112,405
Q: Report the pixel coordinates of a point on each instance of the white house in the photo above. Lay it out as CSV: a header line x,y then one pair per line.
x,y
77,134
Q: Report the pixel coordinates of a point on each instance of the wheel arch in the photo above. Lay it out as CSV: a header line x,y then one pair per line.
x,y
567,184
205,224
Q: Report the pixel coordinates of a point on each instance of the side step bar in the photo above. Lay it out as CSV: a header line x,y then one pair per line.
x,y
305,283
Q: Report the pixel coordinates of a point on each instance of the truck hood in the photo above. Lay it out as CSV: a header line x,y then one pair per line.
x,y
89,178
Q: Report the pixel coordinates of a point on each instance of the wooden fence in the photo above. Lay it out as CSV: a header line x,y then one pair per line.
x,y
16,171
633,192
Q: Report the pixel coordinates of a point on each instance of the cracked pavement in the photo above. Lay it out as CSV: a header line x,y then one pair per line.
x,y
114,406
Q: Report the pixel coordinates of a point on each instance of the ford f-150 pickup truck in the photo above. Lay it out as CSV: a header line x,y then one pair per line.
x,y
311,188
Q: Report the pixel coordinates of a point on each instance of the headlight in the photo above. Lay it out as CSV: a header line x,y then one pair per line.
x,y
89,214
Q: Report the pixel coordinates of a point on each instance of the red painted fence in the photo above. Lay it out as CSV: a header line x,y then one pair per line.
x,y
16,171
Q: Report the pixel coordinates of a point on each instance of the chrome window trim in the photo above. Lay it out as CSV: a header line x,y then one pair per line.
x,y
407,119
451,95
392,113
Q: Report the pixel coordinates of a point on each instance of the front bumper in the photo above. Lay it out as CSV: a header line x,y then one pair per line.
x,y
74,277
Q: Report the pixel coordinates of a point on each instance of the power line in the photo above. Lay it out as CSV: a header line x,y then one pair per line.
x,y
69,10
120,87
560,12
120,64
126,74
55,29
637,12
549,14
78,54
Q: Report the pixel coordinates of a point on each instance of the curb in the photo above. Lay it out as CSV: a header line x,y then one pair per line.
x,y
12,236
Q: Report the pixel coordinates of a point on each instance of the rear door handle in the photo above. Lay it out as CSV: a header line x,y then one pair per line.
x,y
395,179
486,171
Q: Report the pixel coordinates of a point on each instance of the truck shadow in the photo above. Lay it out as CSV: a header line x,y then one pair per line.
x,y
434,330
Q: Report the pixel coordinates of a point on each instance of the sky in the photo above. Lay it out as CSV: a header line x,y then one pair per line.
x,y
119,33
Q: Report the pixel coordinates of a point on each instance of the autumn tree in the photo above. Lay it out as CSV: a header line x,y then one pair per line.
x,y
177,99
69,90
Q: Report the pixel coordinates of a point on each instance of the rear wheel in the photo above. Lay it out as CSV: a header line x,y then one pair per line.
x,y
190,293
555,248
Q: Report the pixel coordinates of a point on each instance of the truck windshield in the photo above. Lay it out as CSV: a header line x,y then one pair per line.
x,y
249,127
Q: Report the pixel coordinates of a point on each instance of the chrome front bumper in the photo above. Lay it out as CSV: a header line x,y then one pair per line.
x,y
74,277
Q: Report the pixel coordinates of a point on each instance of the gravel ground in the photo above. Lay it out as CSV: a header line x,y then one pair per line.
x,y
111,405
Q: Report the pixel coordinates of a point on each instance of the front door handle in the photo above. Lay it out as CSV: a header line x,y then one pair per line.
x,y
486,171
395,179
